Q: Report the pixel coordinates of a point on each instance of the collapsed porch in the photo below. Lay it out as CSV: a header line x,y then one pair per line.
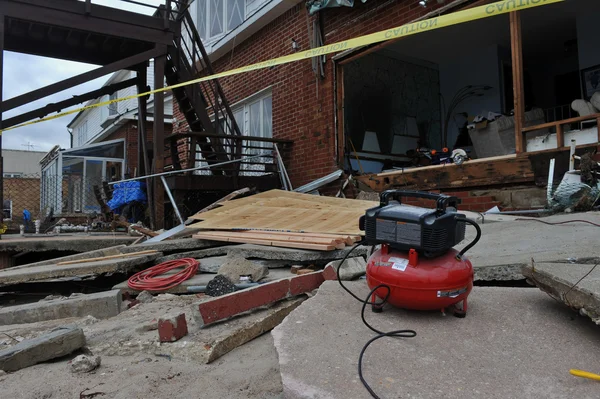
x,y
508,90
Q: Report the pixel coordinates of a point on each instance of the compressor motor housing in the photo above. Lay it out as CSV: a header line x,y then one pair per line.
x,y
430,232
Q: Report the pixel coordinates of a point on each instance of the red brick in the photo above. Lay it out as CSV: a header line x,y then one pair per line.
x,y
171,329
229,305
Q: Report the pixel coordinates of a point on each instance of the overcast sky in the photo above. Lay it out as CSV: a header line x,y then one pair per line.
x,y
23,73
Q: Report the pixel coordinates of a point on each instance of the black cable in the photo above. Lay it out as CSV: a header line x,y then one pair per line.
x,y
472,243
380,334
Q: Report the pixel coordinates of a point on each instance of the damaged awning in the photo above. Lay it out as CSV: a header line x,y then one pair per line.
x,y
316,5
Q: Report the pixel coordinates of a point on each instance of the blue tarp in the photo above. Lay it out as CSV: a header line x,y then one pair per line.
x,y
127,192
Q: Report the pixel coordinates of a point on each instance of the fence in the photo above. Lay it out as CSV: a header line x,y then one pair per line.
x,y
77,199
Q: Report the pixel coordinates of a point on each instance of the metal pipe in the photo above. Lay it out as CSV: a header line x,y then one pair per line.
x,y
172,172
550,181
170,195
282,165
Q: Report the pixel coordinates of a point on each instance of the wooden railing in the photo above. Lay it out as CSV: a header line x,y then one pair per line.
x,y
559,126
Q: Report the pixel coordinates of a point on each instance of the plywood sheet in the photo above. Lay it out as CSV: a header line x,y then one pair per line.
x,y
250,217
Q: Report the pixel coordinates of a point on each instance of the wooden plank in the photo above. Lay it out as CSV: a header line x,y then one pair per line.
x,y
562,122
278,236
220,202
430,167
518,85
75,262
317,247
250,217
560,136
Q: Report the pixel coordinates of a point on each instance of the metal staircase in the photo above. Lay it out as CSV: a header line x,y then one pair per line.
x,y
204,105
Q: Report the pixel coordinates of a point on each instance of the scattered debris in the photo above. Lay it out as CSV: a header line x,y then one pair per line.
x,y
90,395
220,285
304,271
153,325
53,298
100,305
236,266
59,342
352,268
296,268
172,328
84,364
145,297
232,304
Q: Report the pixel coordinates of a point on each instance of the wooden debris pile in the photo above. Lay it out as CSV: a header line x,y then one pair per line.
x,y
285,219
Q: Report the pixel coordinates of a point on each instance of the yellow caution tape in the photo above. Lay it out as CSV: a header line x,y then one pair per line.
x,y
455,18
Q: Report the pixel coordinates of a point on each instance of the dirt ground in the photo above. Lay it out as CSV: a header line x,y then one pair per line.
x,y
250,371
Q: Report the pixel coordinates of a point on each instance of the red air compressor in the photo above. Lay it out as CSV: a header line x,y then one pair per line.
x,y
416,266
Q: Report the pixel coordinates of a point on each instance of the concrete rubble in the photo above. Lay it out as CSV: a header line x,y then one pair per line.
x,y
351,269
84,363
58,342
235,266
101,305
577,285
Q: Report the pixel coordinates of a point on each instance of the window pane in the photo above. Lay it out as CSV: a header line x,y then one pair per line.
x,y
235,13
216,17
254,119
239,119
202,17
267,127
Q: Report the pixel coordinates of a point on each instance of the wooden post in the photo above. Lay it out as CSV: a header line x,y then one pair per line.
x,y
518,86
159,139
1,157
143,162
560,136
598,128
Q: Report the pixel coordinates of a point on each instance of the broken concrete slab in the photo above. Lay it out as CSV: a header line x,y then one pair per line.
x,y
60,342
224,307
100,305
198,254
236,266
351,269
562,282
203,279
89,269
505,248
177,245
295,256
64,242
84,363
495,352
122,335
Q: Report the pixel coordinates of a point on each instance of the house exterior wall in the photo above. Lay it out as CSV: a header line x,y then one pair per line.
x,y
20,162
303,108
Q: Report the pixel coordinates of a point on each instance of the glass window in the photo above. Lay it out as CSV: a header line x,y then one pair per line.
x,y
217,17
113,108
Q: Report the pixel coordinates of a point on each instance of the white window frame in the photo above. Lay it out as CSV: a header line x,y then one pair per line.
x,y
113,109
82,133
205,11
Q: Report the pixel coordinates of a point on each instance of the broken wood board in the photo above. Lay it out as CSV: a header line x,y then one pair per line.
x,y
78,261
250,217
280,199
271,242
290,240
79,270
475,173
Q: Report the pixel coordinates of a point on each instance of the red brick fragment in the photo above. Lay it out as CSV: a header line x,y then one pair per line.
x,y
172,328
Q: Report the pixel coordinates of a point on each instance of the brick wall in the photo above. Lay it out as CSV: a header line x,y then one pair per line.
x,y
303,109
469,201
24,194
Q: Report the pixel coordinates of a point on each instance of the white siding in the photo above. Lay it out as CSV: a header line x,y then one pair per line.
x,y
254,5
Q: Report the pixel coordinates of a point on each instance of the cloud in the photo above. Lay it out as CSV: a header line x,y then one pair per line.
x,y
24,73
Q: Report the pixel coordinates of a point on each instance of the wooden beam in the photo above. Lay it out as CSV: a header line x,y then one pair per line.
x,y
59,106
562,122
159,139
143,161
110,22
79,79
518,86
339,92
598,127
560,136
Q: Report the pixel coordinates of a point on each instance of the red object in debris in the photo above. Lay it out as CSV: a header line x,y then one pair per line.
x,y
171,329
147,280
428,284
